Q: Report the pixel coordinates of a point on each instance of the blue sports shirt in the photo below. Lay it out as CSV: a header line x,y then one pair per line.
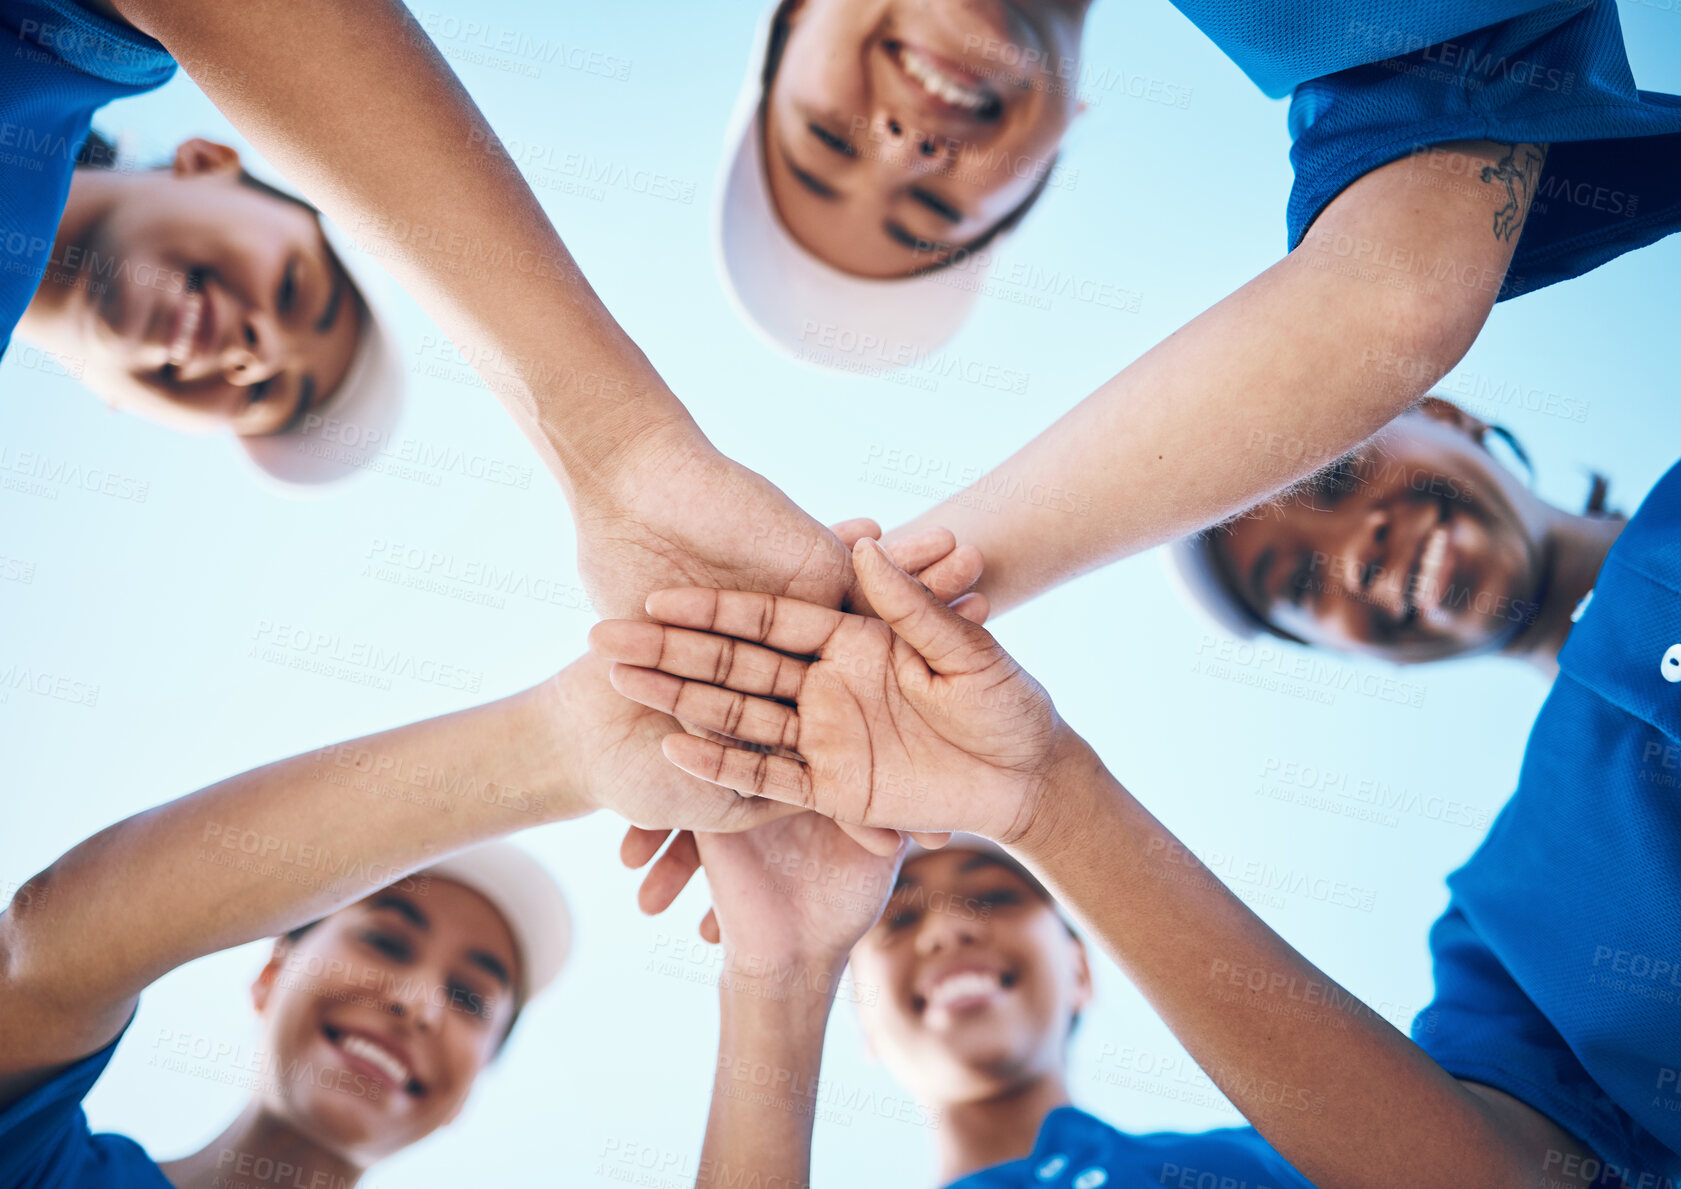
x,y
59,63
1558,962
1372,81
45,1142
1077,1151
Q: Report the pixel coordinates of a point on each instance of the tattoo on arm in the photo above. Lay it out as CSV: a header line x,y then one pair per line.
x,y
1520,170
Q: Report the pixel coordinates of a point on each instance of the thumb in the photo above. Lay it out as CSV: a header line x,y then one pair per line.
x,y
950,644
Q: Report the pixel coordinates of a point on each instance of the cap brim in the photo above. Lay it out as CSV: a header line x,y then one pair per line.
x,y
347,432
529,899
800,304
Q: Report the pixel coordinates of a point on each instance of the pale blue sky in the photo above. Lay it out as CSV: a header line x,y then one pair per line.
x,y
158,602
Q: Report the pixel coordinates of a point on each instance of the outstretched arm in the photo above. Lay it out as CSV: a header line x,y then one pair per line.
x,y
786,936
926,699
270,849
1382,298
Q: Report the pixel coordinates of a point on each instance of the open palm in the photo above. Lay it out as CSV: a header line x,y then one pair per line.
x,y
916,721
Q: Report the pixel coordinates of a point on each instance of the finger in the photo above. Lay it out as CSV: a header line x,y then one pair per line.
x,y
693,703
920,550
950,576
852,531
752,772
950,644
669,875
787,625
640,845
700,656
973,607
879,841
931,841
709,927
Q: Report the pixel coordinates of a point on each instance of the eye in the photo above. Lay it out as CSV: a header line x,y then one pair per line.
x,y
999,896
830,141
389,944
899,919
464,998
287,296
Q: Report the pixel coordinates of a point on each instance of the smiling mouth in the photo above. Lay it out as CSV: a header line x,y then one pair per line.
x,y
1428,572
186,328
945,84
388,1067
963,991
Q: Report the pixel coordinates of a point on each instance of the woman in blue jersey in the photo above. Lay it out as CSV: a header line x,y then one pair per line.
x,y
199,297
399,964
878,144
968,983
1418,547
1550,1054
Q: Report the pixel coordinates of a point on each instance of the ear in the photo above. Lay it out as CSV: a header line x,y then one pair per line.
x,y
197,157
262,987
1448,413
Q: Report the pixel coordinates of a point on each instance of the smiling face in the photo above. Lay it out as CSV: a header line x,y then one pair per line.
x,y
896,131
381,1015
980,979
1419,547
206,303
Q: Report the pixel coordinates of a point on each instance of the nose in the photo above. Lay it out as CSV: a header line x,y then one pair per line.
x,y
907,148
1369,565
955,927
256,349
416,1000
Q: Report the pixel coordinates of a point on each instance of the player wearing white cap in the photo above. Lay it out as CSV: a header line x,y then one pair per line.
x,y
407,941
969,983
876,143
199,296
1419,546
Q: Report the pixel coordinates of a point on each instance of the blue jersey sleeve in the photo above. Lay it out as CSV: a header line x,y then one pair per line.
x,y
45,1142
1612,178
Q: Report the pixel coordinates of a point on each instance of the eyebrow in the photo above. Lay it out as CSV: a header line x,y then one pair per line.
x,y
810,181
403,907
335,298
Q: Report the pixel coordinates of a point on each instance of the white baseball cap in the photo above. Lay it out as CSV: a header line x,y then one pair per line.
x,y
522,890
343,434
807,308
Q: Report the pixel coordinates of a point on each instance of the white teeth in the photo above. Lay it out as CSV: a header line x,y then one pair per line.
x,y
938,83
192,312
962,985
1430,565
378,1057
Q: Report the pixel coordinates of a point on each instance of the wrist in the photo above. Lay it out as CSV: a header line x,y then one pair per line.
x,y
1069,798
545,719
615,464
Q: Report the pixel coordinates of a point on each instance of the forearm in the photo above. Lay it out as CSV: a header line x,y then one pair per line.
x,y
1382,298
268,850
1349,1100
770,1050
350,99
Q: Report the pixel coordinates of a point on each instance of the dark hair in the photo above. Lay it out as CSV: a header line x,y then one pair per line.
x,y
98,152
292,937
776,44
